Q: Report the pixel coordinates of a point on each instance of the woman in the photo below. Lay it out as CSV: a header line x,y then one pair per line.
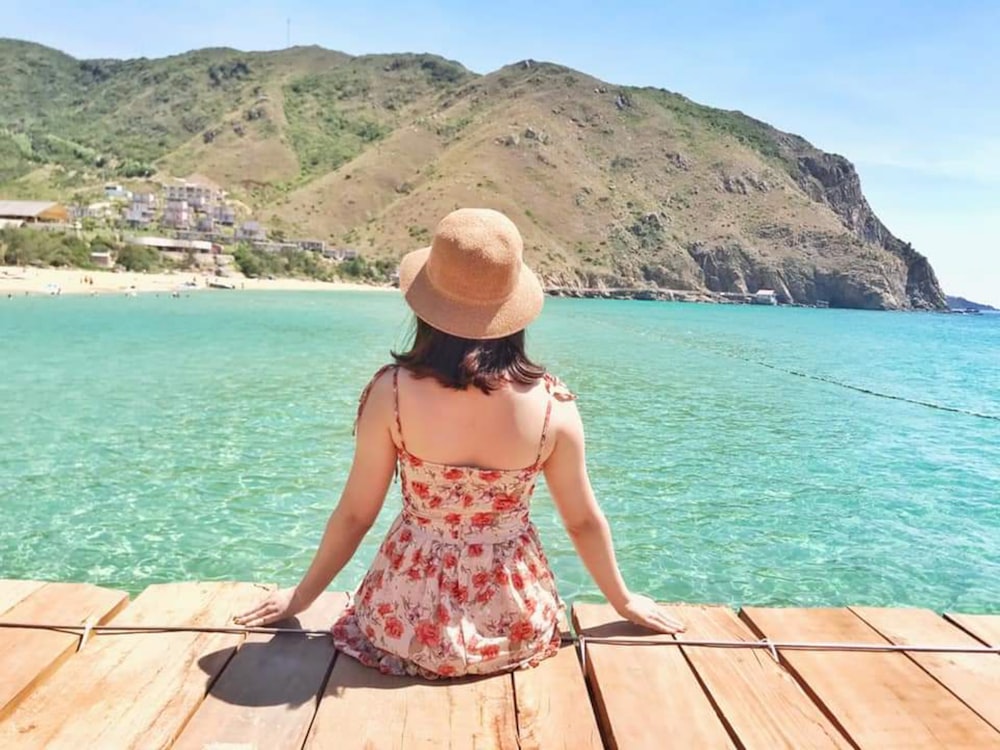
x,y
460,584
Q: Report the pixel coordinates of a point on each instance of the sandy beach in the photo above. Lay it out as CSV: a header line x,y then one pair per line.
x,y
17,281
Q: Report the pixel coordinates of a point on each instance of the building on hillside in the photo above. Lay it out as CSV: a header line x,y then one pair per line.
x,y
199,192
340,254
34,212
274,247
142,211
137,218
220,238
99,210
113,190
177,214
765,297
251,231
205,223
174,245
145,199
224,214
102,259
316,246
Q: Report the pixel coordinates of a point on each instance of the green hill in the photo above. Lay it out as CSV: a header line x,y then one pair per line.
x,y
612,186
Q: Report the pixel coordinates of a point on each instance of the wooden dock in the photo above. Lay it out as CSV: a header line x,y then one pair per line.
x,y
233,691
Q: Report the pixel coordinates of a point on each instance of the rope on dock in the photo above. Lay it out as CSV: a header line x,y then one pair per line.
x,y
582,640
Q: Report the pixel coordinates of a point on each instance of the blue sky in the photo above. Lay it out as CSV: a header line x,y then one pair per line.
x,y
907,91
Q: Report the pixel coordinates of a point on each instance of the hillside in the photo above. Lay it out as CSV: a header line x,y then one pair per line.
x,y
961,303
612,186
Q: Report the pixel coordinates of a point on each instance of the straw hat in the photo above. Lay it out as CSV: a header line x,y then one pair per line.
x,y
472,281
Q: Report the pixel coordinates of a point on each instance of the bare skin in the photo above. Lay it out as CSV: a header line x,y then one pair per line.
x,y
498,431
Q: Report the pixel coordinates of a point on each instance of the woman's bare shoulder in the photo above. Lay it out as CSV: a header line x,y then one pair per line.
x,y
378,394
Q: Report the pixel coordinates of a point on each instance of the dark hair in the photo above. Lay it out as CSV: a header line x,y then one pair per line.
x,y
456,362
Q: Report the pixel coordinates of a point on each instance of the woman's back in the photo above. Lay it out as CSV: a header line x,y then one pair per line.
x,y
468,428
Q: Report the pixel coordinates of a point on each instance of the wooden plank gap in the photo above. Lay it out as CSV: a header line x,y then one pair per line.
x,y
887,701
596,705
517,710
318,698
973,679
711,698
803,683
968,624
629,680
265,695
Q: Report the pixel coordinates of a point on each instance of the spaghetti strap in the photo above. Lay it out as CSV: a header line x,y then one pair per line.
x,y
395,406
558,391
548,415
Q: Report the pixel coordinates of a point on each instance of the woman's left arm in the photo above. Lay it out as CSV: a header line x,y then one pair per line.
x,y
371,472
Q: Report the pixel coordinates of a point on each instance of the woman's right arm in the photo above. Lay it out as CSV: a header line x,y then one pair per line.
x,y
569,485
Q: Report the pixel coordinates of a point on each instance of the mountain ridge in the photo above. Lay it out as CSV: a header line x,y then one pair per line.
x,y
612,186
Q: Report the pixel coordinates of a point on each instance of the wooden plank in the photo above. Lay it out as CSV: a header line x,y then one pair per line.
x,y
984,627
13,591
762,703
883,700
27,657
646,696
135,690
363,708
553,707
974,678
267,695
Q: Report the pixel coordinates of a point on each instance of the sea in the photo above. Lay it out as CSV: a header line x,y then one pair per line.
x,y
742,454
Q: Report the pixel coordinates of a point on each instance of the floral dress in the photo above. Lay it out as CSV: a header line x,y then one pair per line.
x,y
460,585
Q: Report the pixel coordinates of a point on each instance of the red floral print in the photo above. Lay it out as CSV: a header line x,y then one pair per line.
x,y
503,503
442,615
394,627
480,579
482,519
522,631
428,633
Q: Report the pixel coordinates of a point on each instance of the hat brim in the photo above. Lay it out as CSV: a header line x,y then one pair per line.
x,y
461,318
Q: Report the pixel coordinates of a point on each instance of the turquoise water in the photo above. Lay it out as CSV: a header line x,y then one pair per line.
x,y
157,439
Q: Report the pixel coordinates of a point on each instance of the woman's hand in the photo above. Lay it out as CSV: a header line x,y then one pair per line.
x,y
643,611
280,605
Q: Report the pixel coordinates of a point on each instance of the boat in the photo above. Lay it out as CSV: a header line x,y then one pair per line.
x,y
218,283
